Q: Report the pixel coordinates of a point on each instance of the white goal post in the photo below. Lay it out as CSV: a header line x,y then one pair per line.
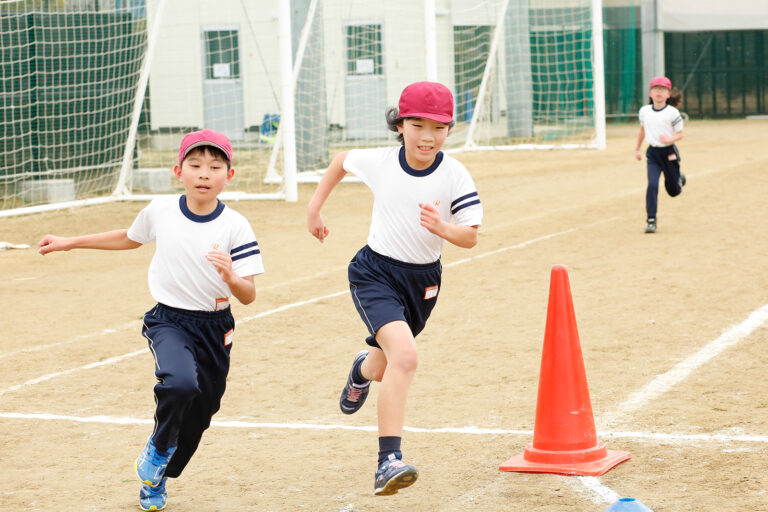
x,y
95,95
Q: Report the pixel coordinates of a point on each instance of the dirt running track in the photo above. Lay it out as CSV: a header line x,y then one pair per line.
x,y
672,326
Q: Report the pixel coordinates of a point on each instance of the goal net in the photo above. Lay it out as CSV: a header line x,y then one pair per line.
x,y
97,94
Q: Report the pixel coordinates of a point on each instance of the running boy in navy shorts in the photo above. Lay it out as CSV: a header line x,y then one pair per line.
x,y
205,252
422,197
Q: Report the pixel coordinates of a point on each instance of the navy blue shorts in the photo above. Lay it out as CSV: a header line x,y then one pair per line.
x,y
385,290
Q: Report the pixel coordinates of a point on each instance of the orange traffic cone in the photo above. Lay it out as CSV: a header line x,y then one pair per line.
x,y
564,438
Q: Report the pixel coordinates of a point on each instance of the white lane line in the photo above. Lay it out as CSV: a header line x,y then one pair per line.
x,y
130,325
290,306
666,381
88,366
604,493
678,438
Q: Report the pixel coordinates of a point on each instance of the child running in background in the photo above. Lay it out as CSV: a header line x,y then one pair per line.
x,y
205,252
395,279
661,125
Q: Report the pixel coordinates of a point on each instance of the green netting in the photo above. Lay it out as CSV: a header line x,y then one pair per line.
x,y
721,74
68,83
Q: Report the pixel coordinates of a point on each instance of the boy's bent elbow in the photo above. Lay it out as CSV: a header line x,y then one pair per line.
x,y
472,239
247,298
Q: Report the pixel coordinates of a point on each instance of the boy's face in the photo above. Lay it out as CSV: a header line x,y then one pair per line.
x,y
422,138
203,175
659,94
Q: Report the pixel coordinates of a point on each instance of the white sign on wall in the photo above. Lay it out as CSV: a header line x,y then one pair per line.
x,y
221,70
364,66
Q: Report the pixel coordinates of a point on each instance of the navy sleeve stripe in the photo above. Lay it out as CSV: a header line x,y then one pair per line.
x,y
245,255
243,247
461,207
677,120
473,194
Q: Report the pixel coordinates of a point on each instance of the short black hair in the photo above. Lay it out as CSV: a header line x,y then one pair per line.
x,y
213,150
394,120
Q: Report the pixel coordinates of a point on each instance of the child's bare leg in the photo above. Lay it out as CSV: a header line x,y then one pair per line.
x,y
374,365
401,359
396,340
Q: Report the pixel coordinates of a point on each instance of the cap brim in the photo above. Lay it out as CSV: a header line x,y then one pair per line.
x,y
434,117
205,143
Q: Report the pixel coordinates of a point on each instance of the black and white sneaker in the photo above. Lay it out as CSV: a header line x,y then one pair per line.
x,y
651,227
682,180
353,395
393,474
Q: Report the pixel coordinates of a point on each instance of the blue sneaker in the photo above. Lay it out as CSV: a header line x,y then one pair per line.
x,y
153,498
353,395
151,464
393,474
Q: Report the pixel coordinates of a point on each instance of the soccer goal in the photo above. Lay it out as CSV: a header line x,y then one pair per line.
x,y
97,94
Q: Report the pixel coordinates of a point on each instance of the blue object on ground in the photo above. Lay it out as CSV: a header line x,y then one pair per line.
x,y
628,505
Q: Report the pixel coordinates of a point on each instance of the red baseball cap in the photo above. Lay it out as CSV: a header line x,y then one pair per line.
x,y
430,100
205,137
661,81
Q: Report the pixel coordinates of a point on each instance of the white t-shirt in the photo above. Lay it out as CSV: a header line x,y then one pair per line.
x,y
666,121
398,189
179,275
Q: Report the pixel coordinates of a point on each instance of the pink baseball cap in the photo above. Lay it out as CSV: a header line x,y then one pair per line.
x,y
661,81
205,137
430,100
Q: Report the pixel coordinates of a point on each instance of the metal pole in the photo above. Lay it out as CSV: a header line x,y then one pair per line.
x,y
123,187
287,122
598,73
430,32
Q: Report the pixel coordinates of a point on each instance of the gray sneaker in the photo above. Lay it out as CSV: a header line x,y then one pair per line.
x,y
353,395
393,474
651,227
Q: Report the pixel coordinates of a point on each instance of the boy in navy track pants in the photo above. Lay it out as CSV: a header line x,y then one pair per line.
x,y
205,253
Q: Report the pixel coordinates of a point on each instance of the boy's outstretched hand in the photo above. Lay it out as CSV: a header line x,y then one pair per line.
x,y
51,243
316,226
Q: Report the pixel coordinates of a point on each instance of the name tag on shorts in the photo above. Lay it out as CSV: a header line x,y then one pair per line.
x,y
430,292
228,337
672,156
222,304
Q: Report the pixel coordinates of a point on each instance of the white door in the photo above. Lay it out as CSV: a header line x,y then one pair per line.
x,y
365,83
222,83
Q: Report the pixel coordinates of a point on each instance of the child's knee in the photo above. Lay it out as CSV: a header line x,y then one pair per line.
x,y
406,360
183,389
674,189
